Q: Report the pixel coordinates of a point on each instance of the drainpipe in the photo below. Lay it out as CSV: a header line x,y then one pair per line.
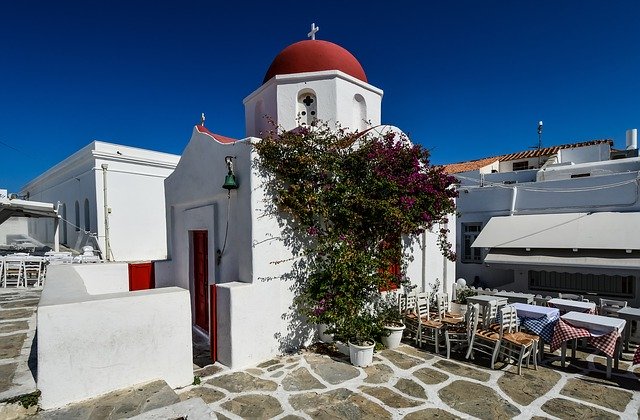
x,y
424,261
445,281
107,247
514,197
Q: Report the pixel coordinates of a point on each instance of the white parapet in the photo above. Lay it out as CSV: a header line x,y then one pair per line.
x,y
94,338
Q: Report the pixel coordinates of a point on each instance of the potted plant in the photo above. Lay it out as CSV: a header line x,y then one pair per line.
x,y
393,325
361,329
459,305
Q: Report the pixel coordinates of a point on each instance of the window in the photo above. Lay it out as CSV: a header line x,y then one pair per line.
x,y
307,108
62,211
470,232
601,284
77,209
87,220
519,166
359,113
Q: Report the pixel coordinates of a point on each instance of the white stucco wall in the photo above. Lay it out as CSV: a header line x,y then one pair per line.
x,y
251,278
135,194
13,226
334,92
93,344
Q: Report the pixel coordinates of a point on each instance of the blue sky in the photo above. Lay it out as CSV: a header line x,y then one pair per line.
x,y
467,79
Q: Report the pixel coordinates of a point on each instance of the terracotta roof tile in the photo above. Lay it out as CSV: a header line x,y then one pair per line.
x,y
472,165
217,137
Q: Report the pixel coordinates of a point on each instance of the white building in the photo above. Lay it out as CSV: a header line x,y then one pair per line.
x,y
559,219
224,247
111,192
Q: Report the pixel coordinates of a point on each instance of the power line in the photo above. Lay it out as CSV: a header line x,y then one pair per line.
x,y
10,147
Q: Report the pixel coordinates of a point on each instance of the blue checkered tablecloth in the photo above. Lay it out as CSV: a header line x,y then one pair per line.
x,y
544,326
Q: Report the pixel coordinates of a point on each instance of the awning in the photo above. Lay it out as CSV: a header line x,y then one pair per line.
x,y
23,208
564,258
603,230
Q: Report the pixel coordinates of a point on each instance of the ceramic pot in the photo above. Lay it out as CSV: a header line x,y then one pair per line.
x,y
322,335
457,308
361,355
392,336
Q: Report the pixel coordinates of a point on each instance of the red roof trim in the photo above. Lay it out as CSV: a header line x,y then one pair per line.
x,y
217,137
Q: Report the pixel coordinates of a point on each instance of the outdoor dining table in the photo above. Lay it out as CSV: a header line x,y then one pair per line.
x,y
567,305
484,301
629,314
603,332
538,319
515,297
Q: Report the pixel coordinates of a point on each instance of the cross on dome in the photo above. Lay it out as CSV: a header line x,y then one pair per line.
x,y
314,29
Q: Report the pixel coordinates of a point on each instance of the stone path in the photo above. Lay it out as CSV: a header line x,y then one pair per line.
x,y
17,341
411,383
406,383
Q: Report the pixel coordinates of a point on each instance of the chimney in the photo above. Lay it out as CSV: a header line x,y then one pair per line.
x,y
632,139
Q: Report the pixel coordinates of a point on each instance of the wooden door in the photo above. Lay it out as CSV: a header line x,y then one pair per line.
x,y
201,277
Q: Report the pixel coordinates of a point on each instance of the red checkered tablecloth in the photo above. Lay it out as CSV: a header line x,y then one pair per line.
x,y
636,356
564,331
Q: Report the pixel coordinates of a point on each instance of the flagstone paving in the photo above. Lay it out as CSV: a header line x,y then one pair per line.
x,y
404,383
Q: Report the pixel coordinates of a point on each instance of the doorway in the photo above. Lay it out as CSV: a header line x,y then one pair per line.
x,y
200,247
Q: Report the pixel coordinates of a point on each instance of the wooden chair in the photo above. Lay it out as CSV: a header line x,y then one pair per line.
x,y
429,329
484,340
513,343
461,334
13,272
610,307
443,314
33,271
570,296
407,306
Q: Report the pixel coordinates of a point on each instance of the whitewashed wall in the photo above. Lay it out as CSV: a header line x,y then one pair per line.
x,y
91,344
334,91
135,194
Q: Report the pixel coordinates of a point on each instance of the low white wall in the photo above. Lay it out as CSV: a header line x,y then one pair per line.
x,y
99,279
93,344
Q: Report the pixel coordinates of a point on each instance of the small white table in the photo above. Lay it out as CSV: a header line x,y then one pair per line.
x,y
514,297
485,301
567,305
596,325
629,314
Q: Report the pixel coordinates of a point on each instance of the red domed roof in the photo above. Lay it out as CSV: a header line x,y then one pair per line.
x,y
315,55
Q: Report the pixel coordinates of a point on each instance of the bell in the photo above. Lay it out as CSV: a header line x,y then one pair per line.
x,y
230,182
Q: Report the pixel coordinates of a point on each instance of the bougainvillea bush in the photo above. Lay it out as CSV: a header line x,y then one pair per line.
x,y
349,199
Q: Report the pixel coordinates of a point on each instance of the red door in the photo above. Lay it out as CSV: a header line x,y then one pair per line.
x,y
201,278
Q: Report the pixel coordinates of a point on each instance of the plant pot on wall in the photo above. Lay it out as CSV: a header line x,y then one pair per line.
x,y
361,355
392,335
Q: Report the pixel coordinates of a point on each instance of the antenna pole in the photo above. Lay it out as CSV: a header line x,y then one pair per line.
x,y
539,141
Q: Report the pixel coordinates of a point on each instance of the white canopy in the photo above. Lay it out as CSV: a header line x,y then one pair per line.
x,y
23,208
564,258
604,230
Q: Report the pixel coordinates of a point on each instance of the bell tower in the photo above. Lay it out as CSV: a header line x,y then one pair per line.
x,y
311,80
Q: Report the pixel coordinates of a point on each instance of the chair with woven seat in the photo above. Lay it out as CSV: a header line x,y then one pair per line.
x,y
484,340
33,271
13,272
610,307
460,334
443,314
429,328
407,307
514,344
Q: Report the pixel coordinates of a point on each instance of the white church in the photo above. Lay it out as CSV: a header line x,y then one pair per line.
x,y
223,246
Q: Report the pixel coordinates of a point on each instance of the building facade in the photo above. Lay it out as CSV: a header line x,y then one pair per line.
x,y
224,246
107,195
568,222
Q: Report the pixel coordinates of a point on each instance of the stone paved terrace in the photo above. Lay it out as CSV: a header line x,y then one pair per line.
x,y
403,383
